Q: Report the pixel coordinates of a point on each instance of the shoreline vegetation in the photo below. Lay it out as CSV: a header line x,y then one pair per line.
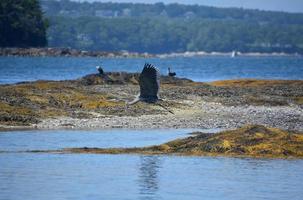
x,y
57,52
253,141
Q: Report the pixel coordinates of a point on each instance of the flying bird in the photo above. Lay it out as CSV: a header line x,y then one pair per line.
x,y
149,81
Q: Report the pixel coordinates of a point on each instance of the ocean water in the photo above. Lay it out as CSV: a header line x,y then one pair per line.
x,y
18,69
94,176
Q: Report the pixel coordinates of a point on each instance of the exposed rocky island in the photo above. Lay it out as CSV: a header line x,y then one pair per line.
x,y
249,141
99,101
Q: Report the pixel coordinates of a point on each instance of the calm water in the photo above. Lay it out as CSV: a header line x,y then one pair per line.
x,y
91,176
57,139
17,69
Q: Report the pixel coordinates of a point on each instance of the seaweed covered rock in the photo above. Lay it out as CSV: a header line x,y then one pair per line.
x,y
249,141
252,141
126,78
110,78
195,104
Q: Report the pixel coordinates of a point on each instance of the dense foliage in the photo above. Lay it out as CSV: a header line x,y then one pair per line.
x,y
161,28
169,35
21,24
69,8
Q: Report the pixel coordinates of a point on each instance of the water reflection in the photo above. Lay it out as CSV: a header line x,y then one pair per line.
x,y
148,177
112,177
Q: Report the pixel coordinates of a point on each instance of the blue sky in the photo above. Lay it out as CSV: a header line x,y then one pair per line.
x,y
276,5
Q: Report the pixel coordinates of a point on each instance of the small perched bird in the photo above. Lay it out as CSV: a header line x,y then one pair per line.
x,y
100,70
170,73
149,81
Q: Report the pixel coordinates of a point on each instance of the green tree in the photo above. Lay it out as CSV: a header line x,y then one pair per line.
x,y
22,24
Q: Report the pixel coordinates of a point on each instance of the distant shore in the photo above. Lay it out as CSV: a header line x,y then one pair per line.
x,y
67,52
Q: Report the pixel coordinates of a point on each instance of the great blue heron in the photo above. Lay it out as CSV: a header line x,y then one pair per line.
x,y
170,73
149,81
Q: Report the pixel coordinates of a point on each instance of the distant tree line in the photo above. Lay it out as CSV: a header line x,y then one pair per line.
x,y
161,28
22,24
156,35
69,8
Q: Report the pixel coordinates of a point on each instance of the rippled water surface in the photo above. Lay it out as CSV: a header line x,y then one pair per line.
x,y
55,176
17,69
92,176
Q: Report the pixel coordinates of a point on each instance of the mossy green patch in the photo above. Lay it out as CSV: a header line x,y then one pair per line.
x,y
299,100
16,115
5,107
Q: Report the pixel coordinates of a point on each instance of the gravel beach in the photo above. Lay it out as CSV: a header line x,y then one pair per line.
x,y
205,116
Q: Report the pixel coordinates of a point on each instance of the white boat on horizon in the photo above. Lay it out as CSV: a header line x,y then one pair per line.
x,y
234,54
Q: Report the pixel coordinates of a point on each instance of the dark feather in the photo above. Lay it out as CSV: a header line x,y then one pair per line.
x,y
149,81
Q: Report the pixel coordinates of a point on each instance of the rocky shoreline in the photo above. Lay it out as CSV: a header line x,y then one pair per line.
x,y
67,52
99,101
58,52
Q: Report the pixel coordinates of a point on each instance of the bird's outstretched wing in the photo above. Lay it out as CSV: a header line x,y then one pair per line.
x,y
149,82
